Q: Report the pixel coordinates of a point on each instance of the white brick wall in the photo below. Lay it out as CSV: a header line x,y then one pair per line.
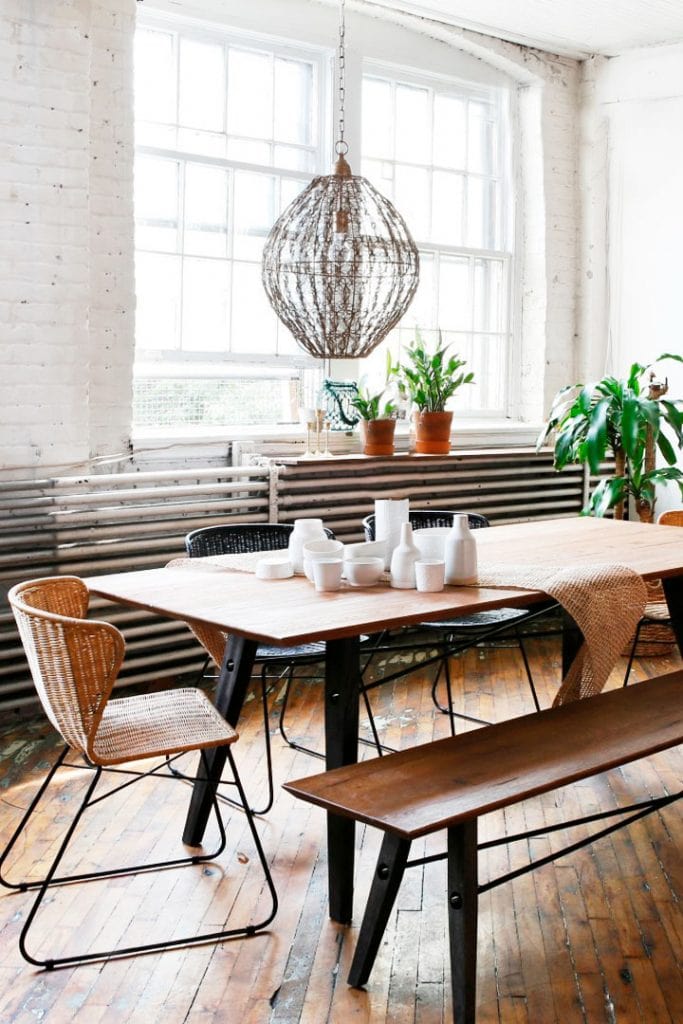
x,y
66,253
66,287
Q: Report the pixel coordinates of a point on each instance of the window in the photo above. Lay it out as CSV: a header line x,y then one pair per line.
x,y
438,150
227,133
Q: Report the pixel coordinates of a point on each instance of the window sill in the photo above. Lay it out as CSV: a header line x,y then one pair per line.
x,y
290,439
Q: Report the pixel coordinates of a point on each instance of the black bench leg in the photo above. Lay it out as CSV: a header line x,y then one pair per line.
x,y
391,864
462,918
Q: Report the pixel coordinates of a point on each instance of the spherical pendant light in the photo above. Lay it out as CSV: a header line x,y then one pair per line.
x,y
340,267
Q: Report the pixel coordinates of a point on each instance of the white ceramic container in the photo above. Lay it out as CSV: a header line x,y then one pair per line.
x,y
317,549
327,573
403,560
363,572
461,553
305,530
430,574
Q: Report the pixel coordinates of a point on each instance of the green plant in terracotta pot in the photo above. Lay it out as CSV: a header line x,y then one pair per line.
x,y
622,418
430,379
377,422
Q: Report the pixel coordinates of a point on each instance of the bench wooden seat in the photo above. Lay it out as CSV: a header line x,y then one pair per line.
x,y
449,783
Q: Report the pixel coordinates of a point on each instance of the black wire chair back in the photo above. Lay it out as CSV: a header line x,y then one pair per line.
x,y
424,518
240,538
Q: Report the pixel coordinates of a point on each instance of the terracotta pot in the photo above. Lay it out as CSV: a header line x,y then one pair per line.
x,y
377,436
433,433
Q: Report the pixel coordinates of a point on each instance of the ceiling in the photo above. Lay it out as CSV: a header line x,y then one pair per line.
x,y
574,28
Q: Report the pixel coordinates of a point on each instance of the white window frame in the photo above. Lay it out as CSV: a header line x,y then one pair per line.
x,y
502,100
176,363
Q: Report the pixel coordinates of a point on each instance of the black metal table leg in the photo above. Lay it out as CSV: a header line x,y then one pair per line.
x,y
238,662
342,680
673,591
572,638
463,897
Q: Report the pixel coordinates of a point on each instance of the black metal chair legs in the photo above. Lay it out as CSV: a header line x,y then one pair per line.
x,y
51,879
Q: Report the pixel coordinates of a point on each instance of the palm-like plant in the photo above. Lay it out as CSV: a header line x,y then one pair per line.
x,y
625,418
429,378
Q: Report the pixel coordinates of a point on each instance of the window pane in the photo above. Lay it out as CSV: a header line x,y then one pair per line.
x,y
411,195
293,84
156,203
157,287
155,78
377,119
479,227
450,131
447,208
488,295
248,152
381,174
480,156
455,296
205,305
206,218
293,159
289,190
254,323
489,361
254,213
201,143
413,124
422,310
202,85
250,94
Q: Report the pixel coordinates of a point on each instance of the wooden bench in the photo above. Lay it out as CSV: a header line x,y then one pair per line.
x,y
449,783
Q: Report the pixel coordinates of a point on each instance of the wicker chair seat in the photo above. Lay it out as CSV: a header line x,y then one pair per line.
x,y
156,724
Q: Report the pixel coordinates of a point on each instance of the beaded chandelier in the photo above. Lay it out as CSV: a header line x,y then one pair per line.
x,y
340,267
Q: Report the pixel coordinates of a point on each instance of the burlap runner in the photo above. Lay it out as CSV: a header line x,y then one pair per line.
x,y
605,601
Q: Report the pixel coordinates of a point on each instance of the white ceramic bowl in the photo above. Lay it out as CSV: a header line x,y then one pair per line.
x,y
363,572
366,549
317,549
274,567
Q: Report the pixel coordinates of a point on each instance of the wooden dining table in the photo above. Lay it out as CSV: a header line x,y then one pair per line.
x,y
287,612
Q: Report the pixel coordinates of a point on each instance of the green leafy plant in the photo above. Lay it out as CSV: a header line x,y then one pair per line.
x,y
368,406
429,378
623,418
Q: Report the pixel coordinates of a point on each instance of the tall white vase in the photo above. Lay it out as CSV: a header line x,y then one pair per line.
x,y
461,553
305,530
403,560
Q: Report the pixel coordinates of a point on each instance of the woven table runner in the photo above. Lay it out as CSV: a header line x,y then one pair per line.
x,y
606,602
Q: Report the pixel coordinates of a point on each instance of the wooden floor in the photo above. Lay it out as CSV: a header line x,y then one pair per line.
x,y
595,937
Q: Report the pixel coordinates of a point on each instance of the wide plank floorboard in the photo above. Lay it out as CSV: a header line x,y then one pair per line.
x,y
595,938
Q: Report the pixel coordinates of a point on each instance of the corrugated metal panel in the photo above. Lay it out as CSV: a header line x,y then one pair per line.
x,y
97,524
89,525
507,485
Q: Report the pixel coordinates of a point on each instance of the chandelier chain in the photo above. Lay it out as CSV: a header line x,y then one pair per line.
x,y
341,146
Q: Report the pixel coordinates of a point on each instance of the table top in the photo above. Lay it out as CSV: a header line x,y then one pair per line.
x,y
286,612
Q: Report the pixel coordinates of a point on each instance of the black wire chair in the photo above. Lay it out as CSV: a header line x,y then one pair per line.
x,y
458,635
240,538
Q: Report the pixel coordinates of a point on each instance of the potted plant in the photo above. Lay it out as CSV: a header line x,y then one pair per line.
x,y
430,379
377,422
622,418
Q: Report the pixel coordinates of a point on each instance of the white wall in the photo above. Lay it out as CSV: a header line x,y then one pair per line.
x,y
638,112
67,292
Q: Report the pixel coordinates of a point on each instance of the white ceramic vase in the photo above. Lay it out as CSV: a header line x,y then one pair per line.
x,y
305,530
461,553
403,560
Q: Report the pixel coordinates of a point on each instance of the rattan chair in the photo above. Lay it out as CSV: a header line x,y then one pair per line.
x,y
458,635
75,662
656,622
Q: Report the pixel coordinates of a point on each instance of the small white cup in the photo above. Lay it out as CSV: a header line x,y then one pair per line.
x,y
430,574
327,573
317,549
